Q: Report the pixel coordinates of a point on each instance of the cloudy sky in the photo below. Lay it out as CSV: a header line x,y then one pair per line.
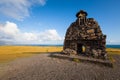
x,y
46,21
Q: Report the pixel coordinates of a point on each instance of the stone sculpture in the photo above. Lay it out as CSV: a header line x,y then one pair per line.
x,y
85,33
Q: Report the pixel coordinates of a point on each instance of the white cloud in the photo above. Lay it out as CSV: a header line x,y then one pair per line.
x,y
46,35
11,34
10,28
42,2
18,9
113,42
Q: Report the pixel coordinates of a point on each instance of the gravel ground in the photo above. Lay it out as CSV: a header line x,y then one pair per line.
x,y
43,67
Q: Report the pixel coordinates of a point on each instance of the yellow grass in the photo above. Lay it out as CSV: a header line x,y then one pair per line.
x,y
113,51
8,53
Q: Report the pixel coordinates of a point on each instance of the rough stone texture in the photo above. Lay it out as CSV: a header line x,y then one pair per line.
x,y
69,51
85,32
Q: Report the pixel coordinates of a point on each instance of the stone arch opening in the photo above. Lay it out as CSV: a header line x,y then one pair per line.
x,y
80,48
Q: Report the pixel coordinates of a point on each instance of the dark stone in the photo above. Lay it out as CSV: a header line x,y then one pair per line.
x,y
85,32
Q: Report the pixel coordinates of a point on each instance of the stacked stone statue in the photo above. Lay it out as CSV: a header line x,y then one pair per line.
x,y
85,33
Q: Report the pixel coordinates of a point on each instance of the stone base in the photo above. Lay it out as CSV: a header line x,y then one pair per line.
x,y
80,58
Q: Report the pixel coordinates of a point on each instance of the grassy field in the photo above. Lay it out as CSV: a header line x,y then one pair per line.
x,y
8,53
113,51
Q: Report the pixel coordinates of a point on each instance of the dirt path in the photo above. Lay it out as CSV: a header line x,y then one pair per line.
x,y
43,67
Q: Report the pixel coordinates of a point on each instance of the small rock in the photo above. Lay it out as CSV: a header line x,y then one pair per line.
x,y
69,51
